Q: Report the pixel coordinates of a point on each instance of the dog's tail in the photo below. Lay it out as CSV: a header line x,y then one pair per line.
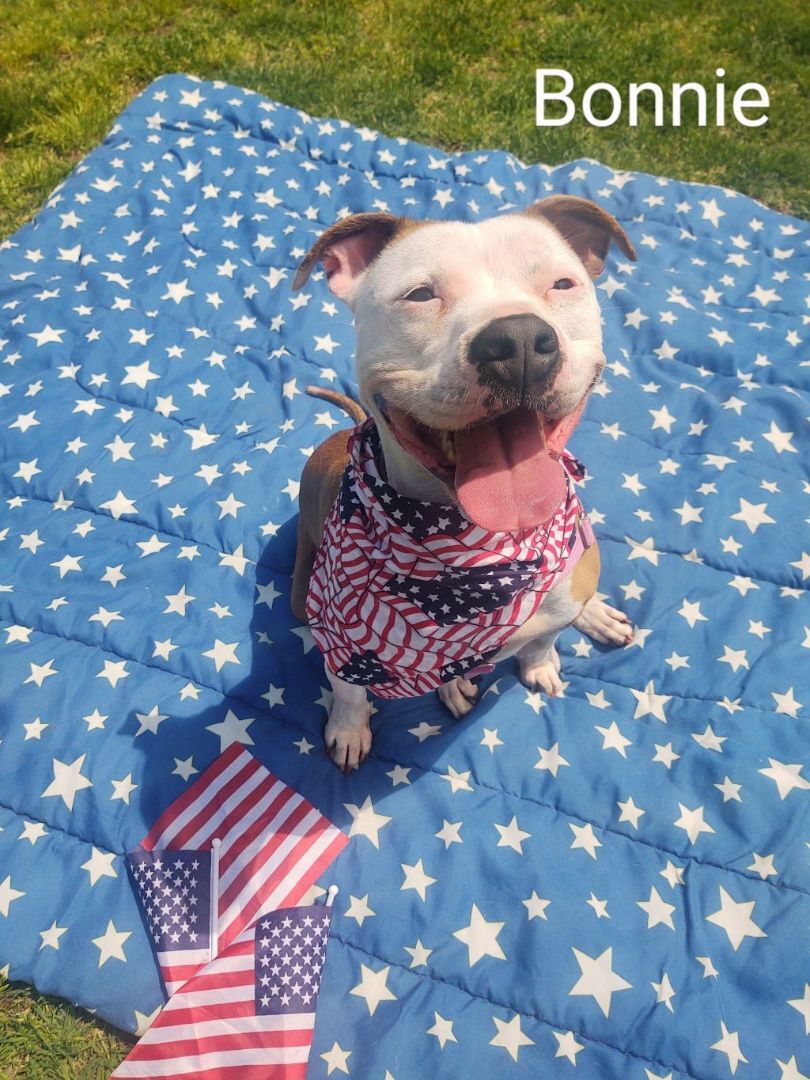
x,y
353,408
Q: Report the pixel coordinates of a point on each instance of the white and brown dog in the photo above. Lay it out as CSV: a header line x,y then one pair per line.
x,y
477,346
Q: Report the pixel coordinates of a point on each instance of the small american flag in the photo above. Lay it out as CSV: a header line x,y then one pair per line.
x,y
258,844
175,889
242,976
248,1014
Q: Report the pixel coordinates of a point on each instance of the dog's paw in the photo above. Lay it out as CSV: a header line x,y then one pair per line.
x,y
542,674
458,695
347,743
604,623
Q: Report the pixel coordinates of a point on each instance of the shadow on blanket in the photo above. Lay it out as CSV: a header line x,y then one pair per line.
x,y
286,715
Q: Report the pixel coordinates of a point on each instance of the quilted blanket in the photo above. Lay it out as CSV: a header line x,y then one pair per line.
x,y
612,884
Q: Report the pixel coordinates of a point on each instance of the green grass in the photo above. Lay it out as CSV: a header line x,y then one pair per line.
x,y
42,1038
458,74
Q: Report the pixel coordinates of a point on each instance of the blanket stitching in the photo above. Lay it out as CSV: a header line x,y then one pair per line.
x,y
601,535
575,674
685,697
605,828
266,135
662,450
509,1008
59,828
300,356
148,528
160,530
255,707
214,336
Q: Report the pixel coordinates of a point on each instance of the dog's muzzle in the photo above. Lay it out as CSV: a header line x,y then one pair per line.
x,y
517,353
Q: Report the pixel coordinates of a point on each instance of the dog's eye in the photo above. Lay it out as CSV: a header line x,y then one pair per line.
x,y
420,294
563,283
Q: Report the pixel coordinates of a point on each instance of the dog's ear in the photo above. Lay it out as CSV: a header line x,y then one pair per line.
x,y
586,226
347,249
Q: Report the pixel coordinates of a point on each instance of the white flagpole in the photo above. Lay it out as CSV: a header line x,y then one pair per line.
x,y
331,893
214,919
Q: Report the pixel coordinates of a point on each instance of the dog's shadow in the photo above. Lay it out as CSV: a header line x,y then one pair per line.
x,y
279,710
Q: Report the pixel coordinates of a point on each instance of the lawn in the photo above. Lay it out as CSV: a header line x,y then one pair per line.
x,y
41,1038
459,74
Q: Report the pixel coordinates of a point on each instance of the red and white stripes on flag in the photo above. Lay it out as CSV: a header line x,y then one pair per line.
x,y
210,1029
273,846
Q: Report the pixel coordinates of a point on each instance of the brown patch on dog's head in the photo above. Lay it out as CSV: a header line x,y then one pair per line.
x,y
585,226
348,248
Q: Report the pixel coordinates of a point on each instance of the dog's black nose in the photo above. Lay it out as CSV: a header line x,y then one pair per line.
x,y
519,352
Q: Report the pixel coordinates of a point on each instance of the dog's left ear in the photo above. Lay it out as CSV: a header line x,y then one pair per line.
x,y
586,226
347,249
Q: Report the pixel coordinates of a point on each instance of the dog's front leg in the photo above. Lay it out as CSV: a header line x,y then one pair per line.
x,y
604,623
540,664
347,734
458,695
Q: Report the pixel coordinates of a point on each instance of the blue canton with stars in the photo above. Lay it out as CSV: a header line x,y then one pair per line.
x,y
290,951
174,888
612,884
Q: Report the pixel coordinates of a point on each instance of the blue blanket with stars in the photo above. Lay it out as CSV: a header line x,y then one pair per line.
x,y
613,884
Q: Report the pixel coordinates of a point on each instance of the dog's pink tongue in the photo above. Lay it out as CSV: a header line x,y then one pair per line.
x,y
505,478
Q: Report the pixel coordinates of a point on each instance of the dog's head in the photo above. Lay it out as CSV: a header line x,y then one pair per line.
x,y
477,344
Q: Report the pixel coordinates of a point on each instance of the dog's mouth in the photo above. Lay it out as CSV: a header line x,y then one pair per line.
x,y
505,471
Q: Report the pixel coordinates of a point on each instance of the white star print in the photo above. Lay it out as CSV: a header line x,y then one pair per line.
x,y
657,910
41,672
551,759
729,1044
567,1046
664,992
51,936
222,653
598,979
802,1006
480,937
786,777
584,838
113,671
366,821
649,703
510,1036
418,953
753,515
99,865
8,895
110,944
359,909
442,1028
373,987
336,1059
512,836
67,780
232,730
417,879
691,821
450,833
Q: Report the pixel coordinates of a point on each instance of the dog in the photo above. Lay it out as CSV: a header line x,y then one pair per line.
x,y
477,347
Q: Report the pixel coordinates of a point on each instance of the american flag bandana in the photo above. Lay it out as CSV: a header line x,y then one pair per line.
x,y
405,595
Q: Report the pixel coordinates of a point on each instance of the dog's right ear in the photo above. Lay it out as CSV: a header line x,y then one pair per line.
x,y
347,249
